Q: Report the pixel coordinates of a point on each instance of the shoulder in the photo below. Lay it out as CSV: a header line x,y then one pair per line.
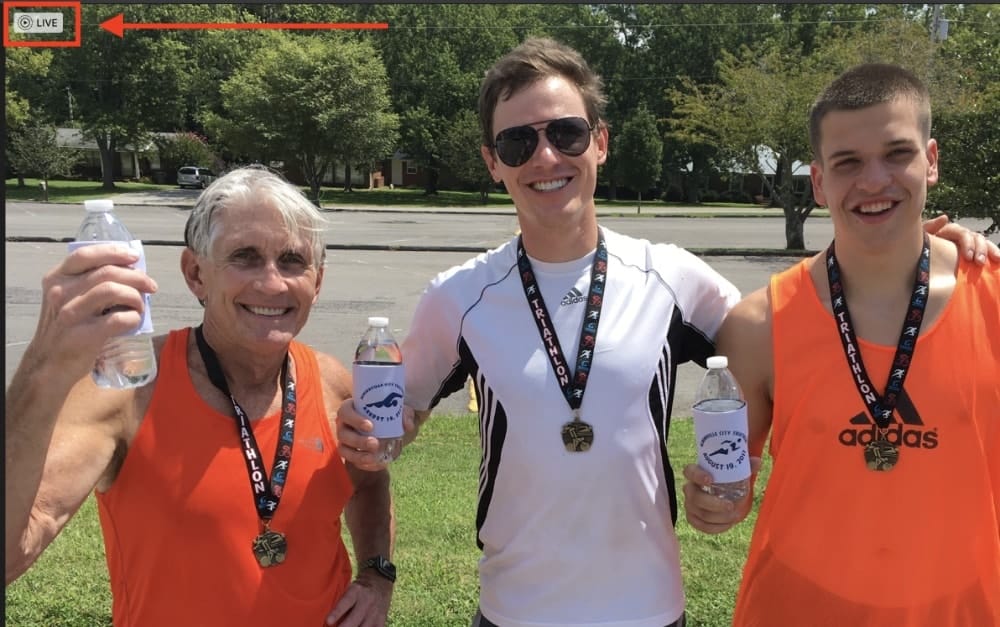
x,y
335,376
483,269
674,265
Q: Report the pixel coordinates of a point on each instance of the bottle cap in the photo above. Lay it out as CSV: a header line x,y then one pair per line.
x,y
719,361
378,321
101,205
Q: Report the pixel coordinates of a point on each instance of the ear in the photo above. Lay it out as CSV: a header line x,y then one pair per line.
x,y
191,269
319,283
491,162
602,145
816,176
932,162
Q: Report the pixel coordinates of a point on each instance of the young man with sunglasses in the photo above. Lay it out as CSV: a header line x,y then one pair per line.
x,y
572,335
875,367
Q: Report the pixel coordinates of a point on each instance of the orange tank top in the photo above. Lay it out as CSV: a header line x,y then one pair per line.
x,y
179,519
836,544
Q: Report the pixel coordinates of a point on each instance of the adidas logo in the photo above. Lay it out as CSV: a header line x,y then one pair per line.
x,y
572,297
909,432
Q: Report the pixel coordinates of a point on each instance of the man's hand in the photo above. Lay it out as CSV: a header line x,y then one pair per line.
x,y
707,512
364,604
357,445
971,245
92,295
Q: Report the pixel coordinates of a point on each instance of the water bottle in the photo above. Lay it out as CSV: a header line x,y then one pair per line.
x,y
720,425
378,386
126,361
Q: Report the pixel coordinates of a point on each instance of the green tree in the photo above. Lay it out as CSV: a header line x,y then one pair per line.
x,y
314,101
124,88
762,100
184,149
967,130
640,151
33,150
460,153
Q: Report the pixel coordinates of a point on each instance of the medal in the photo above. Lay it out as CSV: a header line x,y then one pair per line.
x,y
270,548
577,436
881,455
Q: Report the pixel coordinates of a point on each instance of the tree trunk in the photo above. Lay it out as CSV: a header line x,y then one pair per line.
x,y
612,189
638,208
347,177
794,229
431,182
106,146
20,180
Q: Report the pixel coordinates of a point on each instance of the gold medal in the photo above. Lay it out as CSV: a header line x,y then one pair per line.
x,y
881,455
577,436
270,548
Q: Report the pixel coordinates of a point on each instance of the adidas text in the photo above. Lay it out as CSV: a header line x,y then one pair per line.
x,y
897,434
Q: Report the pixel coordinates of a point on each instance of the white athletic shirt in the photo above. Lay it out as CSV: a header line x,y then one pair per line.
x,y
571,538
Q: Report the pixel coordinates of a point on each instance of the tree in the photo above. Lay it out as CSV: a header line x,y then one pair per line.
x,y
640,151
460,152
33,151
124,88
314,101
184,149
967,132
762,101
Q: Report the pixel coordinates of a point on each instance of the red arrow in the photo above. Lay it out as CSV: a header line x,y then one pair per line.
x,y
117,26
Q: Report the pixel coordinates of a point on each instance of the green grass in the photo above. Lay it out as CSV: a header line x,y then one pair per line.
x,y
434,484
73,191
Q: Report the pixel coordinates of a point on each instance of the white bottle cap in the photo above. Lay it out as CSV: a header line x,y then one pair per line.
x,y
101,205
378,321
717,362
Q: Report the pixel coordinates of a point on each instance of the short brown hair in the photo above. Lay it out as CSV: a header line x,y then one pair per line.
x,y
530,62
867,85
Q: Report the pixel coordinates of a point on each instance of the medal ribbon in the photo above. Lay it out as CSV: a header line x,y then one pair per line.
x,y
880,407
572,386
266,492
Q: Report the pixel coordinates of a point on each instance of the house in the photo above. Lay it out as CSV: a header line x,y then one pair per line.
x,y
131,163
752,184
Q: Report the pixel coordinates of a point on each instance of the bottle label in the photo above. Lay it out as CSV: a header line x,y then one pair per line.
x,y
720,428
146,326
378,396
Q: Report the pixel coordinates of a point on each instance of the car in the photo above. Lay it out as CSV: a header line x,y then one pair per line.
x,y
194,176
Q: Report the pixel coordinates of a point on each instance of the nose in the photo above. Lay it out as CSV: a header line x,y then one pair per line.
x,y
874,176
545,152
270,280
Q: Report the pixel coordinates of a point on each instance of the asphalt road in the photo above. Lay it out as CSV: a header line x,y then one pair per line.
x,y
358,283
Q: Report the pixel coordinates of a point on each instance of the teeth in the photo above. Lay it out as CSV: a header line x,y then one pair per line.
x,y
875,207
547,186
267,311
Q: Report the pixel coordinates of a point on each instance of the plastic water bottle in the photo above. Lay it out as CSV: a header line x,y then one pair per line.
x,y
126,361
720,425
378,386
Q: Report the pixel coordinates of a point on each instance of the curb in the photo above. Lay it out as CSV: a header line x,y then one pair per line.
x,y
701,252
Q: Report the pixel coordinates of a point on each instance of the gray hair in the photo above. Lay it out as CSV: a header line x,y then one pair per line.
x,y
250,184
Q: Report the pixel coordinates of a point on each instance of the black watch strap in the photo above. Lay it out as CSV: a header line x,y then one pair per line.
x,y
382,566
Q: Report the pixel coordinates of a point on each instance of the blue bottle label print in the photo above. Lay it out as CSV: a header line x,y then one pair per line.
x,y
720,427
146,326
378,396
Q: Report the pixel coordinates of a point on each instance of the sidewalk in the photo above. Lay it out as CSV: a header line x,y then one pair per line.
x,y
184,199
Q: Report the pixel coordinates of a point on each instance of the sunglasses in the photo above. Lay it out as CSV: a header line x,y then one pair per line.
x,y
570,136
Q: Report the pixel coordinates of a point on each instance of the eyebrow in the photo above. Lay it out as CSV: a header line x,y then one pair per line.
x,y
896,143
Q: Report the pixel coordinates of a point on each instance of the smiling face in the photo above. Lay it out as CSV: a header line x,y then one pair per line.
x,y
553,192
258,282
873,170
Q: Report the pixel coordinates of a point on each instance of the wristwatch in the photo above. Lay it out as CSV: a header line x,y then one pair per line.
x,y
382,566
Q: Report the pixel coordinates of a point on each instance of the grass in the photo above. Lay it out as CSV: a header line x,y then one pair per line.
x,y
434,484
72,191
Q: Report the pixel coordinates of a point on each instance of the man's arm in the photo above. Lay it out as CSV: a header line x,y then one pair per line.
x,y
971,245
63,433
745,338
